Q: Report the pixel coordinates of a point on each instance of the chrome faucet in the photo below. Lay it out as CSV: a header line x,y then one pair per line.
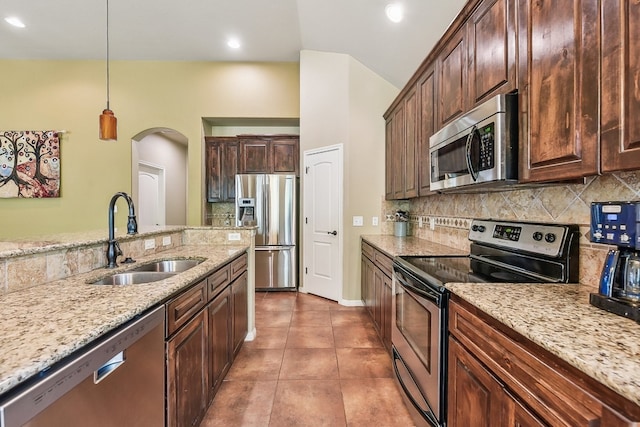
x,y
113,250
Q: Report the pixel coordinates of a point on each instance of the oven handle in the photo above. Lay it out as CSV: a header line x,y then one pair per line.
x,y
428,416
540,277
472,172
432,296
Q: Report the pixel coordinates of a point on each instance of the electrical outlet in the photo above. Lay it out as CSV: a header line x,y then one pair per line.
x,y
374,220
420,221
166,240
233,236
358,221
149,244
432,223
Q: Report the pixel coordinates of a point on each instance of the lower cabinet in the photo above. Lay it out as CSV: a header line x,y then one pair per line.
x,y
206,326
220,354
187,373
239,295
376,289
496,377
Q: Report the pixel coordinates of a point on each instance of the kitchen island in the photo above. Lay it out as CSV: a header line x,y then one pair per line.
x,y
44,323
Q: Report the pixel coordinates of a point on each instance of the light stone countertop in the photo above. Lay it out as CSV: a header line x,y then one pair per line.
x,y
45,323
559,318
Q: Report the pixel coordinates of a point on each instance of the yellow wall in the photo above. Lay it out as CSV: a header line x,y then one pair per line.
x,y
70,95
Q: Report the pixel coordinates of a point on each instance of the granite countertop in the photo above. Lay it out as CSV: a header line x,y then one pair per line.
x,y
43,324
559,318
395,246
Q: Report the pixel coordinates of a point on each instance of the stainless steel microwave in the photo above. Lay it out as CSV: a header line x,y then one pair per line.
x,y
479,149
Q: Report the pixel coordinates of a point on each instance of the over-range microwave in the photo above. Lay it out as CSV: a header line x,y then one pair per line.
x,y
479,149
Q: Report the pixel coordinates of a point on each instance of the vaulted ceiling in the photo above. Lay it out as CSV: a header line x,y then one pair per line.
x,y
197,30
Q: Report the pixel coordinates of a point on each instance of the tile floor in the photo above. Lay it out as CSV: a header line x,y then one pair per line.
x,y
313,363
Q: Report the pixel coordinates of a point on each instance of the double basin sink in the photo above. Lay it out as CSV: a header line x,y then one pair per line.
x,y
148,273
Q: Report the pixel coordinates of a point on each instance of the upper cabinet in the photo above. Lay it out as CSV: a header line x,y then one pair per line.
x,y
269,154
620,104
558,72
452,78
426,128
221,168
491,39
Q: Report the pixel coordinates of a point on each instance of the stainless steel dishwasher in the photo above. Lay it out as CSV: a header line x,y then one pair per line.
x,y
117,381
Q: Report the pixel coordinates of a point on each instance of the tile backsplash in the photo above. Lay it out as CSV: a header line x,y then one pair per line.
x,y
450,213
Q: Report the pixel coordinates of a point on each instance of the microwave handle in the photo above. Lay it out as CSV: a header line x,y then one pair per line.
x,y
472,172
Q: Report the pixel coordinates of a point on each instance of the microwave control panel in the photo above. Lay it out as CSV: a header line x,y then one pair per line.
x,y
616,223
486,148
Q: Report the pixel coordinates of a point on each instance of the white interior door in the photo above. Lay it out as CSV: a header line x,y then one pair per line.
x,y
151,195
323,184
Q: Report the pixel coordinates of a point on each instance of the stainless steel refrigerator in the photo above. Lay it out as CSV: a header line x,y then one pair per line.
x,y
270,203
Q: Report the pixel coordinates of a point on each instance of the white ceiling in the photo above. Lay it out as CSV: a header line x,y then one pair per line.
x,y
197,30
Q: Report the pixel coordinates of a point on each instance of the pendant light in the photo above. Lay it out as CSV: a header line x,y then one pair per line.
x,y
108,121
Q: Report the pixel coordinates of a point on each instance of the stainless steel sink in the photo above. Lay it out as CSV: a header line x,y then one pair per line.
x,y
170,266
134,277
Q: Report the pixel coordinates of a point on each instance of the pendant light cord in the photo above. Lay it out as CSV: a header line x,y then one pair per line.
x,y
108,55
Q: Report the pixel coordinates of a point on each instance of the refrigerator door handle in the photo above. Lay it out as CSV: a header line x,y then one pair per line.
x,y
266,209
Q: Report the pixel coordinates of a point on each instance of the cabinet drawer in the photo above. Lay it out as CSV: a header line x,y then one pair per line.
x,y
368,250
545,383
238,266
384,263
217,281
183,307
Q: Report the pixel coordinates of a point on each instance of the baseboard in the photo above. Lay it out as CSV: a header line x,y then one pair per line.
x,y
251,335
351,302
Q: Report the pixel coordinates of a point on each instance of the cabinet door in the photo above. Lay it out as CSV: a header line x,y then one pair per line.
x,y
255,155
378,285
475,398
410,146
368,293
214,171
452,78
221,168
388,159
220,350
517,415
386,313
284,152
492,50
187,373
426,128
240,311
620,101
558,71
229,170
397,152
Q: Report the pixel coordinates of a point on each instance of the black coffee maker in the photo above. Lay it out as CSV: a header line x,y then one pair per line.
x,y
618,223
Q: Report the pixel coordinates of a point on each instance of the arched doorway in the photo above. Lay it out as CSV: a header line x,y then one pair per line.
x,y
159,170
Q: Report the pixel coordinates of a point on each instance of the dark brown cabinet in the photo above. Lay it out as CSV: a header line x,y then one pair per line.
x,y
221,168
491,36
452,78
239,297
187,373
269,154
205,327
376,288
620,102
426,128
220,350
497,377
558,71
401,165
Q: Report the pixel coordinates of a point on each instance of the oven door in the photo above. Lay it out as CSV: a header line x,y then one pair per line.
x,y
419,343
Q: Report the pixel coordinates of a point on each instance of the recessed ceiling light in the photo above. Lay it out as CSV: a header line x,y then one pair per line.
x,y
394,12
233,43
16,22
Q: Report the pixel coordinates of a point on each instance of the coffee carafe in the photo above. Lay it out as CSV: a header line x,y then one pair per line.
x,y
618,224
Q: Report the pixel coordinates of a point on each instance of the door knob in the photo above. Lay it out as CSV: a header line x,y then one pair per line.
x,y
334,232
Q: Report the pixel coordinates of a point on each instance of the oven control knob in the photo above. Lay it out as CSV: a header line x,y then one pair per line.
x,y
550,237
479,228
624,238
537,236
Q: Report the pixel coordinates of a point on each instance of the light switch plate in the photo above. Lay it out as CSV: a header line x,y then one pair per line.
x,y
149,244
374,220
233,236
166,240
358,221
